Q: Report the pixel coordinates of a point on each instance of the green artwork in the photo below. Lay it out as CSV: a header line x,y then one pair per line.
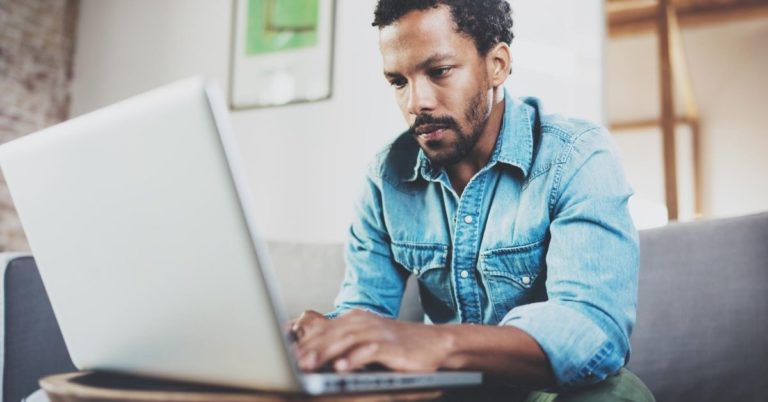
x,y
275,25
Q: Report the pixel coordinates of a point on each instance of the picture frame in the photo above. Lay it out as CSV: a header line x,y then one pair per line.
x,y
281,53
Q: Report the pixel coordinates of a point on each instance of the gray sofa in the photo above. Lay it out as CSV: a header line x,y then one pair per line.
x,y
702,320
701,333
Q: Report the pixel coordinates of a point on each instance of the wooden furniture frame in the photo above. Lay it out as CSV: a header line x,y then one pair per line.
x,y
665,17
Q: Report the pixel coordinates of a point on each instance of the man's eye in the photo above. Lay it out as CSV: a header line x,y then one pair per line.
x,y
440,72
397,83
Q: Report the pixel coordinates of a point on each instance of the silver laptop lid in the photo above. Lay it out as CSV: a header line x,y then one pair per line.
x,y
135,215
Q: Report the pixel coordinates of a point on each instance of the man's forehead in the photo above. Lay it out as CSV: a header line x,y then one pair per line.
x,y
418,24
420,39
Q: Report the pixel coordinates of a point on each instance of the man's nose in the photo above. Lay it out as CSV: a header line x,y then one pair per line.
x,y
421,98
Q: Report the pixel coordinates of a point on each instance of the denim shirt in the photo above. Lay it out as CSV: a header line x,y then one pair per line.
x,y
540,239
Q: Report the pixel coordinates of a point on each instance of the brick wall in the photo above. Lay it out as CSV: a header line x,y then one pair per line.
x,y
36,48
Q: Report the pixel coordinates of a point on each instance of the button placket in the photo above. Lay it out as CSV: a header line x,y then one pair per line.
x,y
466,237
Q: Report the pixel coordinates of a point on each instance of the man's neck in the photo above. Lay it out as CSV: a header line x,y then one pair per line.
x,y
462,172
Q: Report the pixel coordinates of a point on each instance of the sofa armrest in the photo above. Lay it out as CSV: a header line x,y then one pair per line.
x,y
5,258
701,319
32,343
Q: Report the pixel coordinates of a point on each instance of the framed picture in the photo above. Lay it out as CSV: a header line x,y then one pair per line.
x,y
282,52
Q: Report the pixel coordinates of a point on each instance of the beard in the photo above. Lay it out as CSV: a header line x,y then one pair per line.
x,y
444,152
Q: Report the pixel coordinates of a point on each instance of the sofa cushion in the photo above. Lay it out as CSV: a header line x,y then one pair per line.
x,y
702,326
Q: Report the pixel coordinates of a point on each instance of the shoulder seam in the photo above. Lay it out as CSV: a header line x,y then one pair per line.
x,y
562,161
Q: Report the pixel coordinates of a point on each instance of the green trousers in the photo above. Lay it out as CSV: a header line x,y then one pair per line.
x,y
624,386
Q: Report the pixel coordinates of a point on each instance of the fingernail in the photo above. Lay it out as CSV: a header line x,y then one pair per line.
x,y
341,365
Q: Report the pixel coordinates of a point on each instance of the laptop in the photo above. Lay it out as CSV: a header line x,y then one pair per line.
x,y
138,217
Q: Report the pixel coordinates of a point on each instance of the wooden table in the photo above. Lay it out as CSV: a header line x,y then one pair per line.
x,y
92,387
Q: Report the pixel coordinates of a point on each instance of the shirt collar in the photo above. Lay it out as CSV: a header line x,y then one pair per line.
x,y
514,145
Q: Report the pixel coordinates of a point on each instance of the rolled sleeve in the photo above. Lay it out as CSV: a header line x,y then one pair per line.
x,y
579,351
592,268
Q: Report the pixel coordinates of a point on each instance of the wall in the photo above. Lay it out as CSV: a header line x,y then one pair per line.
x,y
306,162
727,65
558,55
36,47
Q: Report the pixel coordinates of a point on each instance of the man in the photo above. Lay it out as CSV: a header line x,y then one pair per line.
x,y
507,217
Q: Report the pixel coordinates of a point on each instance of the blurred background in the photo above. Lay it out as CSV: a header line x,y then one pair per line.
x,y
681,84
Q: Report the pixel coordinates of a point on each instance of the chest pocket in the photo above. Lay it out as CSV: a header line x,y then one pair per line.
x,y
429,264
514,276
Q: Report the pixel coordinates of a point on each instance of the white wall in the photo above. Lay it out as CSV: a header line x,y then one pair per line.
x,y
727,65
306,162
558,55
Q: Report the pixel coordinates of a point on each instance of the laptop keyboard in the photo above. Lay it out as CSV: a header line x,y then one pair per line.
x,y
370,368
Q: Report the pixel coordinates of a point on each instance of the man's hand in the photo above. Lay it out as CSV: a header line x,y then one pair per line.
x,y
306,321
359,338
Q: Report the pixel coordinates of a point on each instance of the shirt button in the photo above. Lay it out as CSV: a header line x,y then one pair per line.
x,y
464,274
526,280
468,219
416,271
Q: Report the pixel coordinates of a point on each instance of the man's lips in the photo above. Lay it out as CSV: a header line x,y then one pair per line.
x,y
430,132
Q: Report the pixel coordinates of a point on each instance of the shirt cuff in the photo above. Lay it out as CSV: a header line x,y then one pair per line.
x,y
338,312
334,314
579,351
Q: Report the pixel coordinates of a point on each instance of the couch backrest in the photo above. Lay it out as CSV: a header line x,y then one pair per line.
x,y
702,326
309,277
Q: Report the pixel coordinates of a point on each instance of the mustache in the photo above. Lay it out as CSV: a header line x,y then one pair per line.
x,y
424,121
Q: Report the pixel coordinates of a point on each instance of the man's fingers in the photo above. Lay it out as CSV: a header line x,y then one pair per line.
x,y
358,357
305,324
317,336
317,350
339,347
325,343
308,317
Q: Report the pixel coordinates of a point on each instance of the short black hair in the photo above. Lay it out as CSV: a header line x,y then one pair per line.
x,y
487,22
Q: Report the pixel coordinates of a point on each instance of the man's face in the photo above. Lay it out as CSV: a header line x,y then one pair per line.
x,y
440,81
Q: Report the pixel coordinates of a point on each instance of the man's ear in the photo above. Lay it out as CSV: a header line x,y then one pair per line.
x,y
499,61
